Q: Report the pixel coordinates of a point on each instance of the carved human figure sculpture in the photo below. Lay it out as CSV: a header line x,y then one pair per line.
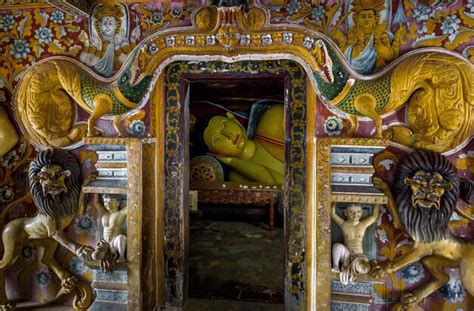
x,y
349,259
112,248
249,159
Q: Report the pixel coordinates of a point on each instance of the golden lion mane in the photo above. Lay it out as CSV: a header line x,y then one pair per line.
x,y
423,224
64,204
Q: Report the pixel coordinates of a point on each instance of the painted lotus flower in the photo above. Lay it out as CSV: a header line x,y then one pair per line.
x,y
77,266
294,7
84,223
44,35
57,17
137,128
28,252
453,291
450,24
318,14
412,274
43,277
20,49
333,126
6,194
421,13
10,159
6,22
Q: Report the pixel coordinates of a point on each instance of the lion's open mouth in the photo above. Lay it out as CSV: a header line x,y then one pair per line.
x,y
425,203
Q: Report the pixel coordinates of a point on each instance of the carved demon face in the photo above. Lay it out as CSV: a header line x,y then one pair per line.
x,y
52,179
427,189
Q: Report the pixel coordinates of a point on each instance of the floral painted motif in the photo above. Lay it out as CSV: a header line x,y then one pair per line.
x,y
10,159
333,126
412,274
28,252
450,24
453,291
85,223
78,267
43,277
57,17
44,35
6,22
318,14
20,49
421,13
155,16
6,194
31,34
294,7
137,128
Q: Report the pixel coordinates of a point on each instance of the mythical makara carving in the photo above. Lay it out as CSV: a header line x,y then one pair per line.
x,y
434,85
54,177
425,193
46,97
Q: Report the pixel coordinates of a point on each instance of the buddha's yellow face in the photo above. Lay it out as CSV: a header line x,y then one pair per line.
x,y
225,135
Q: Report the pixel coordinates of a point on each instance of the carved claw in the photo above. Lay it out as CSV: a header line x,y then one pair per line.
x,y
379,183
85,252
408,302
83,299
67,286
378,271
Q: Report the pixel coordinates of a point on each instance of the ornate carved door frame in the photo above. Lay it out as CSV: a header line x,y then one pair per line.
x,y
175,176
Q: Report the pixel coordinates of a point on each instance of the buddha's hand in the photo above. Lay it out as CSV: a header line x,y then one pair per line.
x,y
378,271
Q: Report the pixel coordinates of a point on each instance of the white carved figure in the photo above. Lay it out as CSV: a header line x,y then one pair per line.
x,y
348,259
112,248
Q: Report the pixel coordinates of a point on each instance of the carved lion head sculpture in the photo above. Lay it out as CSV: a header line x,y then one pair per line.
x,y
55,182
426,190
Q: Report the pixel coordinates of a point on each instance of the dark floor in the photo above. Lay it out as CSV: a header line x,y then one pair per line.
x,y
234,260
231,305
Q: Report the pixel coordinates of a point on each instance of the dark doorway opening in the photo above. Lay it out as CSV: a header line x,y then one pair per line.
x,y
233,254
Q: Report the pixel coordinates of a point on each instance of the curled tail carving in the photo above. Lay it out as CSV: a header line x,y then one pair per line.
x,y
45,106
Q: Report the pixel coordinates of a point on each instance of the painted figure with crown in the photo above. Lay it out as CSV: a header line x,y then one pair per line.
x,y
370,44
108,43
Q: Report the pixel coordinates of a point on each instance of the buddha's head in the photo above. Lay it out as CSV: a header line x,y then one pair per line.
x,y
225,135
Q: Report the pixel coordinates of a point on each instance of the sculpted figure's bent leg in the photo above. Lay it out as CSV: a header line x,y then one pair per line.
x,y
119,246
340,255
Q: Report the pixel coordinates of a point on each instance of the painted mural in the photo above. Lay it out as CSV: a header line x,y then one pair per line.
x,y
370,35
